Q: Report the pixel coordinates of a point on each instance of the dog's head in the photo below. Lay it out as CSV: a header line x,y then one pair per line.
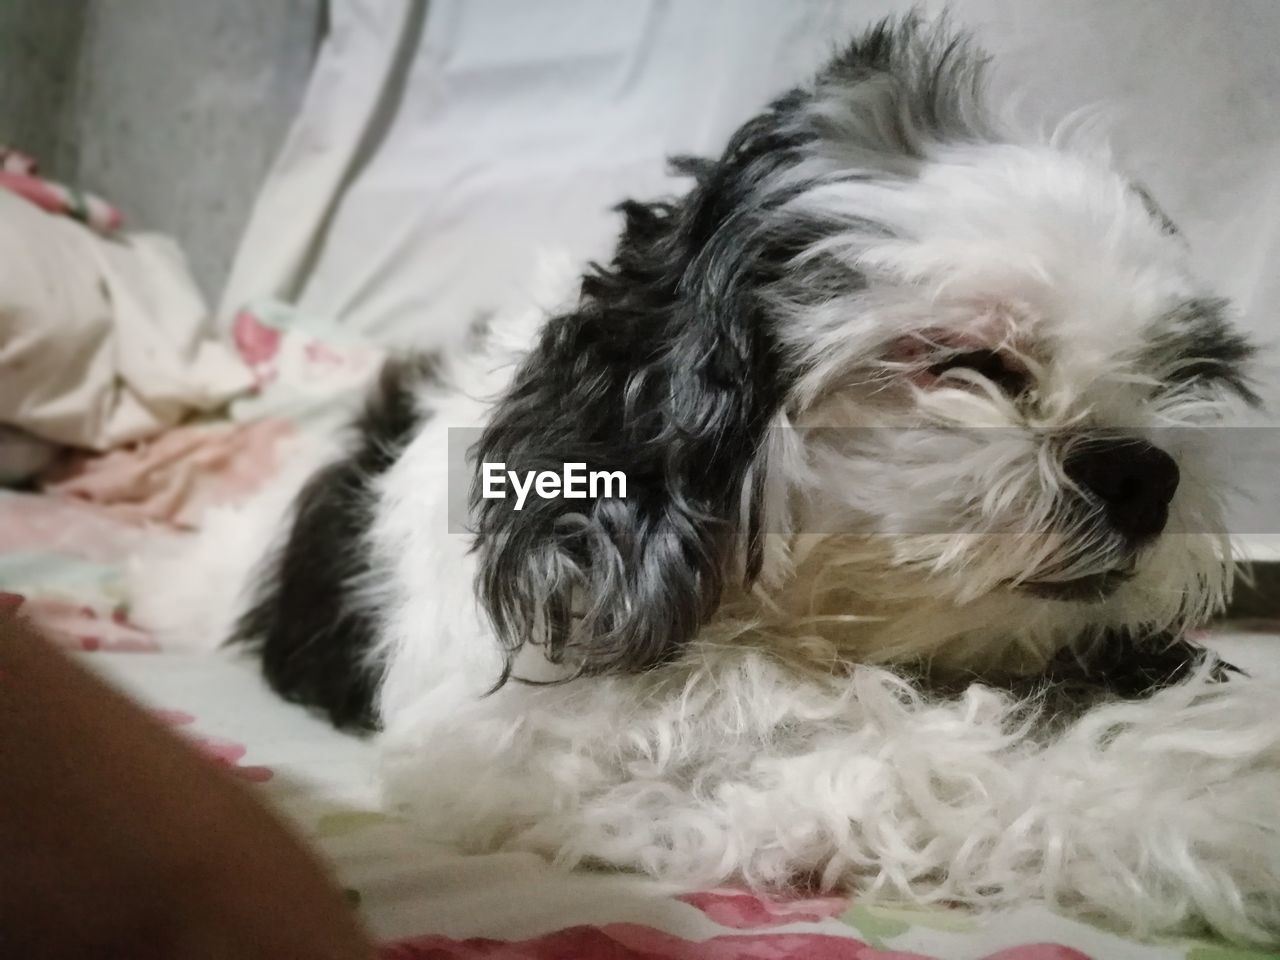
x,y
883,364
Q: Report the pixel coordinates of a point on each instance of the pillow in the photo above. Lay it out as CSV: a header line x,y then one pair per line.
x,y
102,341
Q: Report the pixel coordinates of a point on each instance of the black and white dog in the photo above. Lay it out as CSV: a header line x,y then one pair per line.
x,y
894,393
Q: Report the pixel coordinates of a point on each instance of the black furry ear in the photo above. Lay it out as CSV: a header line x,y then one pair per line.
x,y
659,378
667,372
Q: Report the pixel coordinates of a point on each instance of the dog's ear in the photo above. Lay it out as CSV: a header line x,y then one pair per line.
x,y
665,372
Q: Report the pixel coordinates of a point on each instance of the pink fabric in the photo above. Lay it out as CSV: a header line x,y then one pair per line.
x,y
20,175
88,629
226,754
39,524
176,477
739,910
627,941
257,345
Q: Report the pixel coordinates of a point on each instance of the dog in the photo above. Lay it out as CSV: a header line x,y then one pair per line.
x,y
909,411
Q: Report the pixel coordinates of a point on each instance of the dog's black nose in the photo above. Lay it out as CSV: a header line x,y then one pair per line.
x,y
1131,479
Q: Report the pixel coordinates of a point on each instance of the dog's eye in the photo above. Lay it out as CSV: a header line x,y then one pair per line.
x,y
1012,380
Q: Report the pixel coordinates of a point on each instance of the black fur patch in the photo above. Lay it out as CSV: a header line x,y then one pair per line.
x,y
1153,208
307,622
1126,666
1118,666
1197,347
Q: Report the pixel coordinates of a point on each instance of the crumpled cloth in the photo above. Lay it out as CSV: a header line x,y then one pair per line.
x,y
175,478
102,341
310,375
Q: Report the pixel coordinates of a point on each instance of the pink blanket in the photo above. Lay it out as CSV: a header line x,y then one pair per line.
x,y
176,477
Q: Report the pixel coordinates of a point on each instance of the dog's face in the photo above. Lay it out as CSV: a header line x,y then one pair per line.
x,y
1005,404
885,363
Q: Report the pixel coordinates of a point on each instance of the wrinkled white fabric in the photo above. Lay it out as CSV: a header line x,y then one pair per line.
x,y
102,341
435,154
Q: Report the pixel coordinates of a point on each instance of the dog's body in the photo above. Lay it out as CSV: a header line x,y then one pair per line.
x,y
888,389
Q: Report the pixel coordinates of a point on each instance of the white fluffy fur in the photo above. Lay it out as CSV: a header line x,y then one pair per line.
x,y
773,752
1155,816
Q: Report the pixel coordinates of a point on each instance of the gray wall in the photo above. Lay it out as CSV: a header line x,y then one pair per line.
x,y
171,109
39,42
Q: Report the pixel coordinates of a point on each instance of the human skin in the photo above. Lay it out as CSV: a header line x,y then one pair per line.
x,y
119,840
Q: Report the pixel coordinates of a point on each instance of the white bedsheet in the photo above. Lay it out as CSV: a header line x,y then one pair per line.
x,y
426,901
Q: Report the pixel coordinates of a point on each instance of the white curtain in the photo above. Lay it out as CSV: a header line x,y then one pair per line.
x,y
439,148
